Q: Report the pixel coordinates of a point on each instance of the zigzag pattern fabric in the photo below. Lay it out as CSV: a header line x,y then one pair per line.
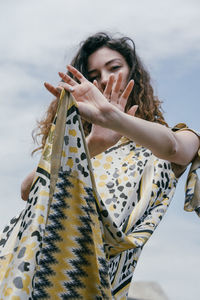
x,y
54,250
86,221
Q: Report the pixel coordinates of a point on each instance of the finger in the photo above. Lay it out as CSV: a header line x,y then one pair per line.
x,y
96,83
126,93
132,110
116,90
52,89
109,86
76,73
118,84
66,86
67,78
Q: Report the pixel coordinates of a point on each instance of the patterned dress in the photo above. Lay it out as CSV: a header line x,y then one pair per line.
x,y
86,221
135,188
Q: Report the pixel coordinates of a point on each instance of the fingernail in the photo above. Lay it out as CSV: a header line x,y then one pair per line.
x,y
71,89
46,84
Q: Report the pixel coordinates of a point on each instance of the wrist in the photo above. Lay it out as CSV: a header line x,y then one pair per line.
x,y
113,119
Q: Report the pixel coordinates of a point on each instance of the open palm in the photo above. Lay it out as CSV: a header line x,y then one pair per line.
x,y
94,104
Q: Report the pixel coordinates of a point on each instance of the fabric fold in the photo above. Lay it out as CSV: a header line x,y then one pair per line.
x,y
57,251
192,186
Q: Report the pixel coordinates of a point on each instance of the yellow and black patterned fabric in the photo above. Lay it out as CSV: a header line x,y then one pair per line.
x,y
192,186
86,221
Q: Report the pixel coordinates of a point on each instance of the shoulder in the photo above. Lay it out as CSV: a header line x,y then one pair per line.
x,y
183,128
188,141
188,136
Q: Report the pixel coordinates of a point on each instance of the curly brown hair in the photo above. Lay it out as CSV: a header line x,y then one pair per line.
x,y
149,106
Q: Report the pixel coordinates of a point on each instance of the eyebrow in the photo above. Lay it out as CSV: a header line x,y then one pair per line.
x,y
106,64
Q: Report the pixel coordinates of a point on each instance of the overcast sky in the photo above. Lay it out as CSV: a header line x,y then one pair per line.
x,y
38,38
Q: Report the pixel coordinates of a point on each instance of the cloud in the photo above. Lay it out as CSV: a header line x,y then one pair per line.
x,y
39,31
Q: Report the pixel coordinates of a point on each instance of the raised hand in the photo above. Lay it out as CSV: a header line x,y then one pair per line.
x,y
92,103
100,138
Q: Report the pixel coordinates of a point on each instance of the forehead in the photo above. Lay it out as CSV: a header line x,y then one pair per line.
x,y
100,57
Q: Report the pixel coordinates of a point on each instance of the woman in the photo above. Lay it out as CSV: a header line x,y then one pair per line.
x,y
128,66
136,158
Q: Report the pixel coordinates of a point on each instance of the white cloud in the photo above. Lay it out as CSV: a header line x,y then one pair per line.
x,y
40,30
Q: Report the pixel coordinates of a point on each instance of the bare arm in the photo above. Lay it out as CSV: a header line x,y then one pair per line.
x,y
26,185
179,147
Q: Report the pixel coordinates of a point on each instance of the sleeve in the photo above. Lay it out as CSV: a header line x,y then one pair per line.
x,y
192,186
183,126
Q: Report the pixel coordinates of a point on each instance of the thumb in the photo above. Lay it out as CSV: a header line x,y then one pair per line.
x,y
132,110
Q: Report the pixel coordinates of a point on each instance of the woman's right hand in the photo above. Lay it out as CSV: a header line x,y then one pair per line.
x,y
102,138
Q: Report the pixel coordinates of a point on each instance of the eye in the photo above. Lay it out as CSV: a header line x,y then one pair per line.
x,y
115,68
94,78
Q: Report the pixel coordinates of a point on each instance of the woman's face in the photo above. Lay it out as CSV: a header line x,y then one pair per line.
x,y
104,62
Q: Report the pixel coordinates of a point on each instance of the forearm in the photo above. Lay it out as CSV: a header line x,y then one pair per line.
x,y
94,147
99,143
180,147
26,185
158,138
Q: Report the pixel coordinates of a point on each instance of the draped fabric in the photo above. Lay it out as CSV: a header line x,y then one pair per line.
x,y
192,186
86,221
